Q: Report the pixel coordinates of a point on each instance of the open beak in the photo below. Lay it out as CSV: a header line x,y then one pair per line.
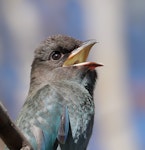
x,y
79,56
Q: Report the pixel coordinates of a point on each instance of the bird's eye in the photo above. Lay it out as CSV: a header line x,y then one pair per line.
x,y
56,55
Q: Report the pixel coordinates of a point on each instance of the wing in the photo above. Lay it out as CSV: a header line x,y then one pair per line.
x,y
62,113
44,119
81,114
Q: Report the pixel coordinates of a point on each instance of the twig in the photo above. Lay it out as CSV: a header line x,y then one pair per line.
x,y
10,133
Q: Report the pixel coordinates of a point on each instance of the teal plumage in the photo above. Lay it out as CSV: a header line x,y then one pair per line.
x,y
59,109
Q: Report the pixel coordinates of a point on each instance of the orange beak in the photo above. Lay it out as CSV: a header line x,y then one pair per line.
x,y
79,56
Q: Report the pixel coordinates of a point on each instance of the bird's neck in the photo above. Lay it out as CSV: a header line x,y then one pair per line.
x,y
39,78
42,75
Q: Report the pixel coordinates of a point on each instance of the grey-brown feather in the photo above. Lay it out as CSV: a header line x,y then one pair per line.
x,y
54,86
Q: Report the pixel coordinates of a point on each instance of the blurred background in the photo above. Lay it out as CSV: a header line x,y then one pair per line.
x,y
118,26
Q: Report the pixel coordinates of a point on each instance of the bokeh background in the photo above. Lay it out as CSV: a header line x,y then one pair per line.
x,y
118,26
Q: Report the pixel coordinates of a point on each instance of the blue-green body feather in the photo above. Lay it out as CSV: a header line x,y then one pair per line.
x,y
40,118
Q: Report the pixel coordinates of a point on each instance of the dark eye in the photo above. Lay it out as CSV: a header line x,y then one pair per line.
x,y
56,55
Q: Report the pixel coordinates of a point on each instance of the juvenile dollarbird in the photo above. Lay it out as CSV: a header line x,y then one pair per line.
x,y
59,110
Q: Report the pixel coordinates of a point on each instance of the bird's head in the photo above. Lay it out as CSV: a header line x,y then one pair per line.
x,y
62,57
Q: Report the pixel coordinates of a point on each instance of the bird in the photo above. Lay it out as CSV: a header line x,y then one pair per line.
x,y
59,110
